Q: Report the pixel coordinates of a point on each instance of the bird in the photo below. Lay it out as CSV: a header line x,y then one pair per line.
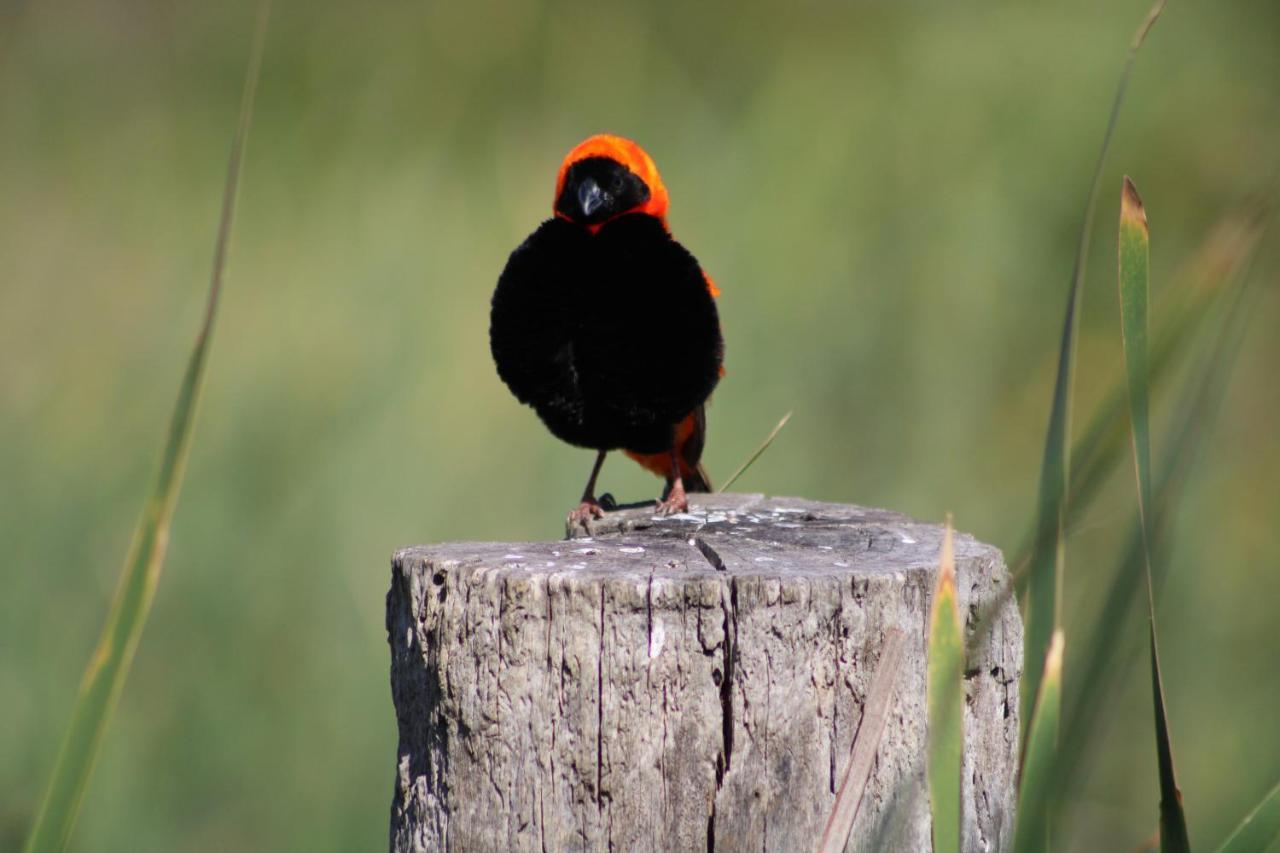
x,y
607,326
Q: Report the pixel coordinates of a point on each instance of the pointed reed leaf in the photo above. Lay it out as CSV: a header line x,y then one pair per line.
x,y
1217,272
1055,500
1106,651
1209,277
1259,829
1214,274
1135,285
1135,295
764,445
105,675
1048,550
1048,553
1206,279
1038,785
946,703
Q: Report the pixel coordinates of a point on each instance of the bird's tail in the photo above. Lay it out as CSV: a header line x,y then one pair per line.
x,y
690,452
696,479
691,435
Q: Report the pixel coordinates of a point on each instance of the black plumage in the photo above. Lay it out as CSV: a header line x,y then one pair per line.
x,y
612,337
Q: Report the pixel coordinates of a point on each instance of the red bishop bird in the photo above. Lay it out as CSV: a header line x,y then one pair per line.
x,y
607,327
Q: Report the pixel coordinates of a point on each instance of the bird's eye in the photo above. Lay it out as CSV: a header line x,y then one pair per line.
x,y
616,185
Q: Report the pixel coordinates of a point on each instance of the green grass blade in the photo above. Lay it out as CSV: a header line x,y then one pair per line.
x,y
1220,268
1048,552
1102,444
946,704
1259,829
1135,284
1098,664
1173,820
1038,783
1135,297
104,677
759,451
1214,274
1038,574
1207,279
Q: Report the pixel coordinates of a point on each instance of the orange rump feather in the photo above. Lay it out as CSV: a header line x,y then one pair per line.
x,y
690,433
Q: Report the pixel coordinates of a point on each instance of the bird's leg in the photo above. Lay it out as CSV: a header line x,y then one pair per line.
x,y
676,500
589,508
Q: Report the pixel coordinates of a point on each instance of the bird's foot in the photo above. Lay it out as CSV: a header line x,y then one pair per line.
x,y
675,501
583,514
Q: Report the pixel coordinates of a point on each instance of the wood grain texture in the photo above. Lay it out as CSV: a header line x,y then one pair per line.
x,y
687,683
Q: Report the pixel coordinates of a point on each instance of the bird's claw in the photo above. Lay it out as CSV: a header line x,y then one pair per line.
x,y
676,501
583,514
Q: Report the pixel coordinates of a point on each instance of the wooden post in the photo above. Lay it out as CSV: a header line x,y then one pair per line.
x,y
686,683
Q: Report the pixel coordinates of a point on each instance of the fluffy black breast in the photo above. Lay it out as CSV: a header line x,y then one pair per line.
x,y
612,338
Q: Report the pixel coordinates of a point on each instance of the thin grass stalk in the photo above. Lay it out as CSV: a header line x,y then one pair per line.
x,y
1259,829
756,454
1048,554
1135,296
1215,276
108,667
1102,658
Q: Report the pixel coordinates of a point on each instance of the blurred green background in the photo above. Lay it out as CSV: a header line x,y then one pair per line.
x,y
888,194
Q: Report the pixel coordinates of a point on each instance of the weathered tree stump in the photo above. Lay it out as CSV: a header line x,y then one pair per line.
x,y
687,683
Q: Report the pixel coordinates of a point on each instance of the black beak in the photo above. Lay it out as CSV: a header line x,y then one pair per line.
x,y
590,197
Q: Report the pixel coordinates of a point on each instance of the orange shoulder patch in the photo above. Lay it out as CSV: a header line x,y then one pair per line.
x,y
711,285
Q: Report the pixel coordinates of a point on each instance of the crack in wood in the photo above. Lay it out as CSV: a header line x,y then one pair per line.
x,y
600,709
709,553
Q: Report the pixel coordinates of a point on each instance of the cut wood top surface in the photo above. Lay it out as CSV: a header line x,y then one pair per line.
x,y
737,534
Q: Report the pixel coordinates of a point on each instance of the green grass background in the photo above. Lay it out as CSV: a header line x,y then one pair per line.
x,y
888,195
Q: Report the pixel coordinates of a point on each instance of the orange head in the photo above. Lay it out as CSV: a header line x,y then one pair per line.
x,y
605,177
